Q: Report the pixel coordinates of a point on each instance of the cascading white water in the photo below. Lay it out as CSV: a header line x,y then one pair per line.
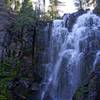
x,y
59,34
68,49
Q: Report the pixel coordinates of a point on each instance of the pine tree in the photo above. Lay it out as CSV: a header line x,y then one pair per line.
x,y
81,4
53,8
26,15
16,5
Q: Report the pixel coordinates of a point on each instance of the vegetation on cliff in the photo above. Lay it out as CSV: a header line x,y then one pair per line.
x,y
20,61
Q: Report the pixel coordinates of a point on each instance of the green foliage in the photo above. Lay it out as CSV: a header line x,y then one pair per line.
x,y
46,17
27,8
83,4
17,6
8,3
81,92
25,17
53,9
4,95
9,69
13,5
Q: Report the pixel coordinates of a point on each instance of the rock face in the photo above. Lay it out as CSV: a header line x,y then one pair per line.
x,y
33,73
72,19
90,90
5,21
28,88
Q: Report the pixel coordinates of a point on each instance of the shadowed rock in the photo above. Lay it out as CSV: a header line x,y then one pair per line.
x,y
5,21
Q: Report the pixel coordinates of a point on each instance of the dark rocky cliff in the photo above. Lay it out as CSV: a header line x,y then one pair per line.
x,y
28,83
6,18
20,73
31,68
90,86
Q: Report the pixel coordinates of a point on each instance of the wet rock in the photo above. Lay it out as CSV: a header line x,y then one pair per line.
x,y
92,85
72,18
97,62
24,89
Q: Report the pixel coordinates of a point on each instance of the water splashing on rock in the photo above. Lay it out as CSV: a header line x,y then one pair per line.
x,y
69,51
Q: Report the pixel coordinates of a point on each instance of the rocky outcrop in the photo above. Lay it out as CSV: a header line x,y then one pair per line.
x,y
72,19
10,49
42,52
30,86
5,20
90,89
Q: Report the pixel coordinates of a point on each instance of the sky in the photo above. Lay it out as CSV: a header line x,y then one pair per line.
x,y
68,6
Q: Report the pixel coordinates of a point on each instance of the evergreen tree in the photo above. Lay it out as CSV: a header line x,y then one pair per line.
x,y
8,3
26,15
13,5
53,8
81,4
17,6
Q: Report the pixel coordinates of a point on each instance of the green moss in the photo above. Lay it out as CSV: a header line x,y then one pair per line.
x,y
7,73
4,95
81,92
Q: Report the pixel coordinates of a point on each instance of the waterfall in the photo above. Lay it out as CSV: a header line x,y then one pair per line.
x,y
68,52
